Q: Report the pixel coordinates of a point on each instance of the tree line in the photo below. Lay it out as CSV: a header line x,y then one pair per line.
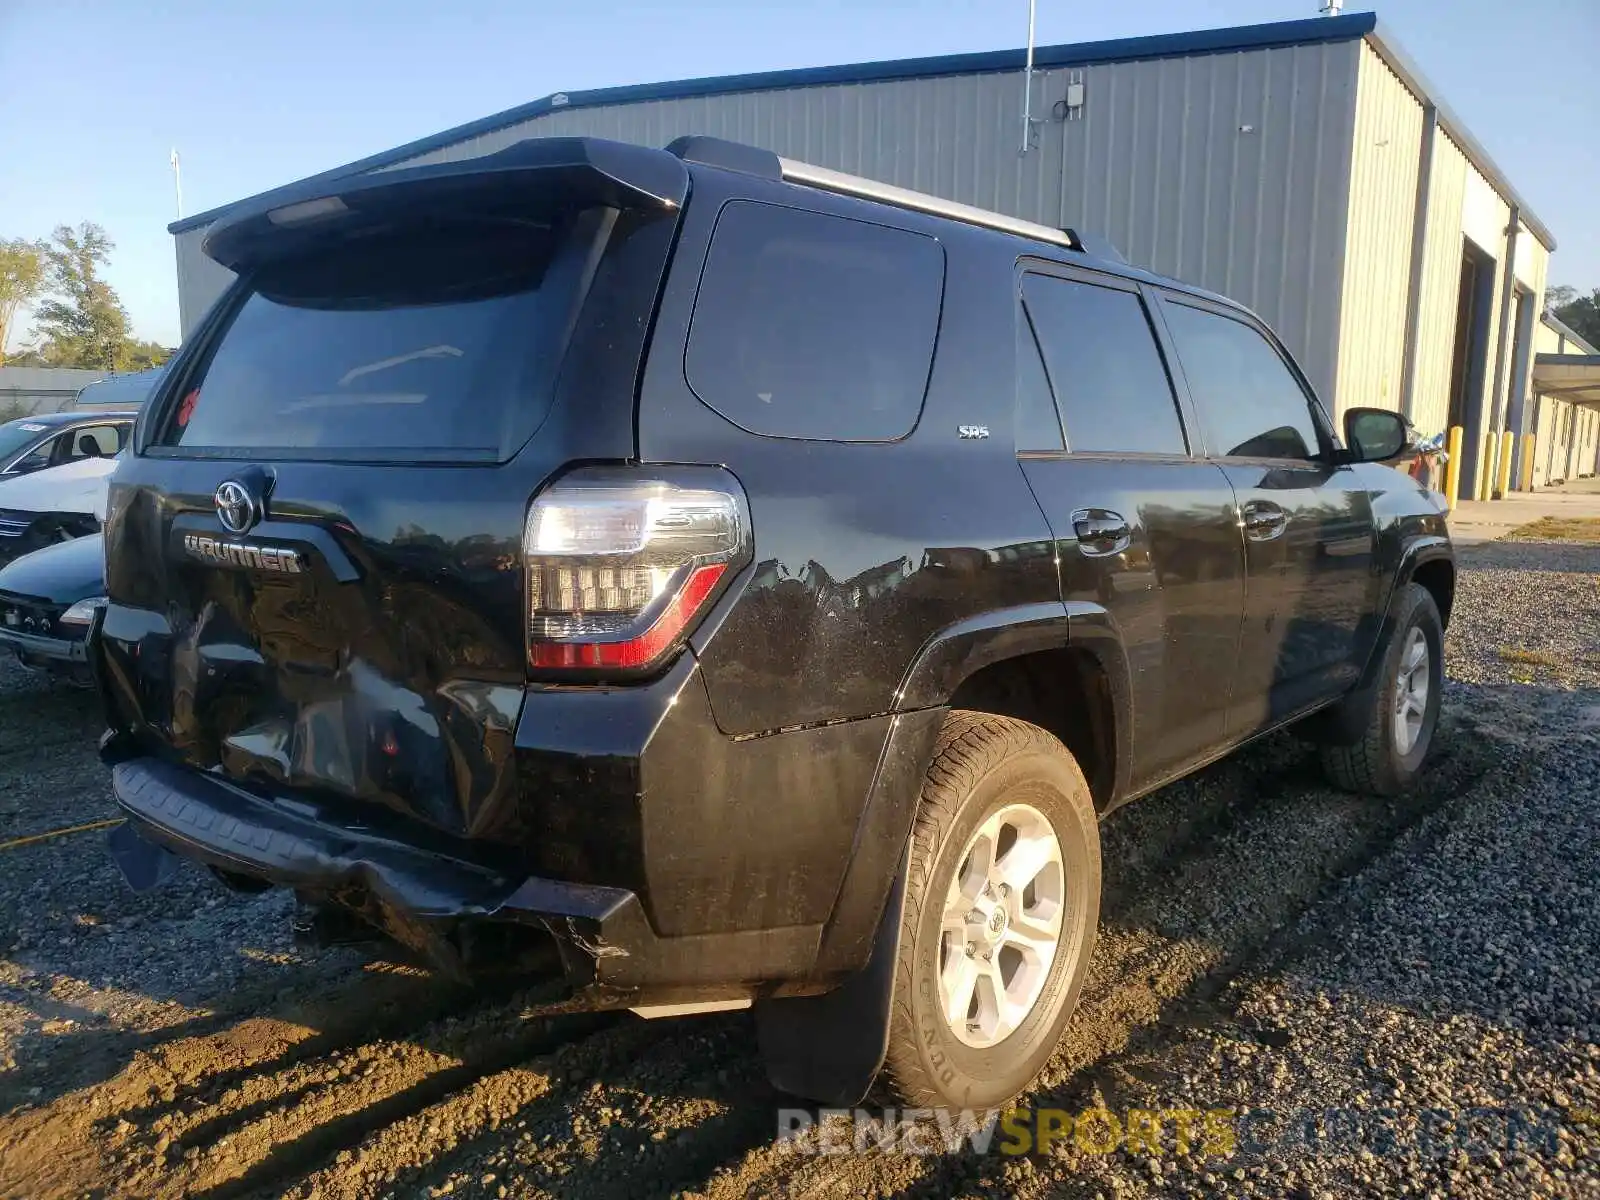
x,y
1577,311
78,318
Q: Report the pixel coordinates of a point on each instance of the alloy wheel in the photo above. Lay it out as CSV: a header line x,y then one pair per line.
x,y
1003,916
1411,692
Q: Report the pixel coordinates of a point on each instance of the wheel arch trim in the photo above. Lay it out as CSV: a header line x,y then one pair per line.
x,y
1417,551
946,660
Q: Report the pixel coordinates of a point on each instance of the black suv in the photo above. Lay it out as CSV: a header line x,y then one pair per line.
x,y
712,580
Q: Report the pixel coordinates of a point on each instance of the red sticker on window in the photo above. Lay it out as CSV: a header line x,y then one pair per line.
x,y
186,409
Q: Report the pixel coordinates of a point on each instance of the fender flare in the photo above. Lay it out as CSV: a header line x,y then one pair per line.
x,y
1423,549
959,651
1419,550
1343,722
830,1047
945,661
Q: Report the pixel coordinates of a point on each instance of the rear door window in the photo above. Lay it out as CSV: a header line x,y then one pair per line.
x,y
1105,367
1250,402
421,342
815,326
89,441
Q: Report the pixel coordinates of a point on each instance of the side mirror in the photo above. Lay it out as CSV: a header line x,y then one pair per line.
x,y
1375,434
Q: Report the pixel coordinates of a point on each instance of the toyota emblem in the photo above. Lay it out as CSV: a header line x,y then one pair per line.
x,y
238,508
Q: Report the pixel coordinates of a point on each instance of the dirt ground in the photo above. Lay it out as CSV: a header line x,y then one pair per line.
x,y
1265,940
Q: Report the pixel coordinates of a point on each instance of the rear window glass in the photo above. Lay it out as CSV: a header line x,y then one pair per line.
x,y
814,326
421,341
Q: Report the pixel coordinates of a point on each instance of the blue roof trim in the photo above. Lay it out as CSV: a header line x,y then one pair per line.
x,y
1400,62
1167,45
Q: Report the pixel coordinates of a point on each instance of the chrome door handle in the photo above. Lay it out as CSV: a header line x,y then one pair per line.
x,y
1100,531
1262,520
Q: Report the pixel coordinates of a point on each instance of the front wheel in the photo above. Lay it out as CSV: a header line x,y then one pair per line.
x,y
1002,899
1400,711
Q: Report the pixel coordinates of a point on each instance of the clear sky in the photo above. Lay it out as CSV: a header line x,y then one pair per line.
x,y
255,93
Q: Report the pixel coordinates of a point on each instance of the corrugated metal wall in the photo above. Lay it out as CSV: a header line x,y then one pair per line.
x,y
1227,170
1485,216
1385,161
1517,404
1441,284
1464,206
1565,447
200,280
1554,417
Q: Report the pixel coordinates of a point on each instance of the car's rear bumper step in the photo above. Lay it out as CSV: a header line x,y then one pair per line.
x,y
415,894
38,646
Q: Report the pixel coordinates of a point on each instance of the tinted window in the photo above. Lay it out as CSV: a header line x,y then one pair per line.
x,y
813,326
422,339
1104,366
1038,426
1250,402
91,441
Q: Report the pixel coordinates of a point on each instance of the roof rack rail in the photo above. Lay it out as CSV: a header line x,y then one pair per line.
x,y
1098,247
753,160
871,189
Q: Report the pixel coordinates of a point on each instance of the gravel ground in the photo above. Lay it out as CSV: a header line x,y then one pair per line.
x,y
1388,998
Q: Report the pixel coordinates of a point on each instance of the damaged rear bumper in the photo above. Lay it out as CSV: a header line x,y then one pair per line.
x,y
43,652
608,954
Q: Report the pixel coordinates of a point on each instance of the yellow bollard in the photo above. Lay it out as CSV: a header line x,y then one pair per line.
x,y
1507,441
1484,484
1528,441
1452,468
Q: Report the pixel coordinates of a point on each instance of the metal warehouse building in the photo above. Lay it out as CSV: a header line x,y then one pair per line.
x,y
1304,168
1566,382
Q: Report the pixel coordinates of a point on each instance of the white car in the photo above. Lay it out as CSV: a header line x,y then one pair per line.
x,y
53,505
47,440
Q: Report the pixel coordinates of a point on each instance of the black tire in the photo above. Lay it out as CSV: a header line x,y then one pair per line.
x,y
1374,764
983,763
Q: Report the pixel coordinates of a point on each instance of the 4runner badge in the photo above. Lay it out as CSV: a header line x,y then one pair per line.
x,y
972,432
277,559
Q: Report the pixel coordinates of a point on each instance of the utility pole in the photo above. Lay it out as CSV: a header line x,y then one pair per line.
x,y
1027,85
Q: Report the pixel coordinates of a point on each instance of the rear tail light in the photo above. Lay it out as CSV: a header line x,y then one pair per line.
x,y
623,561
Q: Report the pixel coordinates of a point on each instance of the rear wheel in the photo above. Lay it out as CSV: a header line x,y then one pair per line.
x,y
1002,899
1401,709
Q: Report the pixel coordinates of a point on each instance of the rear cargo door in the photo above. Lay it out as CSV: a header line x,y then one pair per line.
x,y
314,576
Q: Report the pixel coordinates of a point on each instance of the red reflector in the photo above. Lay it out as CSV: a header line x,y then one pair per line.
x,y
639,651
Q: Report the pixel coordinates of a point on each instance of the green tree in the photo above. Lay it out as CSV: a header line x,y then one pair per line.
x,y
139,356
1579,312
83,324
21,281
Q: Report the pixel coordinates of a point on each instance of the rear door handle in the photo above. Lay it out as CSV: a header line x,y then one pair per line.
x,y
1262,520
1100,531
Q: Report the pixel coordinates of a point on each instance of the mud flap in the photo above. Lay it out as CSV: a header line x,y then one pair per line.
x,y
829,1048
144,864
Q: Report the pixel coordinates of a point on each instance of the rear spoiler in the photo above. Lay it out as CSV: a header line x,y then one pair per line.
x,y
564,172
